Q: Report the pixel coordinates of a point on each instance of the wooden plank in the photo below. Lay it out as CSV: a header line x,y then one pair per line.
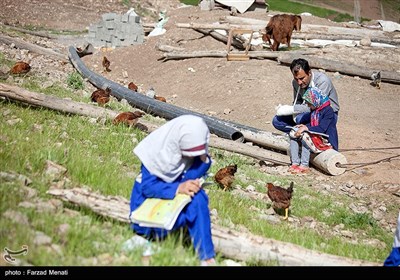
x,y
241,56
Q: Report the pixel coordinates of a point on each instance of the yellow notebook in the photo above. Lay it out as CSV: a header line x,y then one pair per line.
x,y
160,213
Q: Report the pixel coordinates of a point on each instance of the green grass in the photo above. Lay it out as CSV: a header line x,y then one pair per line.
x,y
75,81
190,2
287,6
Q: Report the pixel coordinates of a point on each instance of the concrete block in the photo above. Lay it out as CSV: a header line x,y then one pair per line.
x,y
110,25
109,16
134,19
125,18
207,5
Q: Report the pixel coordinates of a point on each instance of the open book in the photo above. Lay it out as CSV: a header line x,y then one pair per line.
x,y
160,213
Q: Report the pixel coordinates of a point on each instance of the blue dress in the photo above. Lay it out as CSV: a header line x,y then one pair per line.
x,y
394,258
195,216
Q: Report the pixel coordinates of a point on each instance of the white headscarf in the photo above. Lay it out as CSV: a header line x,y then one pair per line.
x,y
165,151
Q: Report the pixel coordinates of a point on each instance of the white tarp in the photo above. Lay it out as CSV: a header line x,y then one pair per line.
x,y
240,5
389,26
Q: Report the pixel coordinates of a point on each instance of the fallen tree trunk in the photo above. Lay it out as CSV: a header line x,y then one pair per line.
x,y
35,33
32,47
54,103
230,243
333,37
344,68
175,55
216,26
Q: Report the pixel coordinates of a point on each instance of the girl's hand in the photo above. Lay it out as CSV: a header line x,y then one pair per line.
x,y
189,187
300,130
204,158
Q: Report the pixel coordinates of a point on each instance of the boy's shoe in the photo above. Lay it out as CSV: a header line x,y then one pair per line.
x,y
293,168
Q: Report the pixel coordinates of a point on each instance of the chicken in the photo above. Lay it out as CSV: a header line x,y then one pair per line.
x,y
151,92
280,197
160,98
101,96
132,86
128,118
106,64
88,49
225,176
20,68
376,79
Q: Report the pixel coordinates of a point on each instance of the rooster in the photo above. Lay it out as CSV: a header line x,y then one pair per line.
x,y
20,68
128,118
280,197
225,176
106,64
101,96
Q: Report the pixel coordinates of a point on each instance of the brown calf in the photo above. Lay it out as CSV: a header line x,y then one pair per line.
x,y
280,28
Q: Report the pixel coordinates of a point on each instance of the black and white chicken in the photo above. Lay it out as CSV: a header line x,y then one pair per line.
x,y
376,79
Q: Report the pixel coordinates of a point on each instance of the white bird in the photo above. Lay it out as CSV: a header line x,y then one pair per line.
x,y
151,93
376,79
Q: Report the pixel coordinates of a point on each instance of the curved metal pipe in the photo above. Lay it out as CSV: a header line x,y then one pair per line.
x,y
150,105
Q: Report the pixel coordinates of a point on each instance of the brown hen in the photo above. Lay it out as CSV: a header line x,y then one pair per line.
x,y
128,118
160,98
20,68
132,86
280,197
106,64
101,96
225,176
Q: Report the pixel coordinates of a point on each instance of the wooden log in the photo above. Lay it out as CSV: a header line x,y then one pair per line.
x,y
54,103
251,151
228,242
333,37
32,47
266,139
342,67
35,33
215,26
254,23
329,160
335,30
175,55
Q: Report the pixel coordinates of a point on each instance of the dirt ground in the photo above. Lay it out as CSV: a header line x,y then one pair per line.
x,y
245,92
